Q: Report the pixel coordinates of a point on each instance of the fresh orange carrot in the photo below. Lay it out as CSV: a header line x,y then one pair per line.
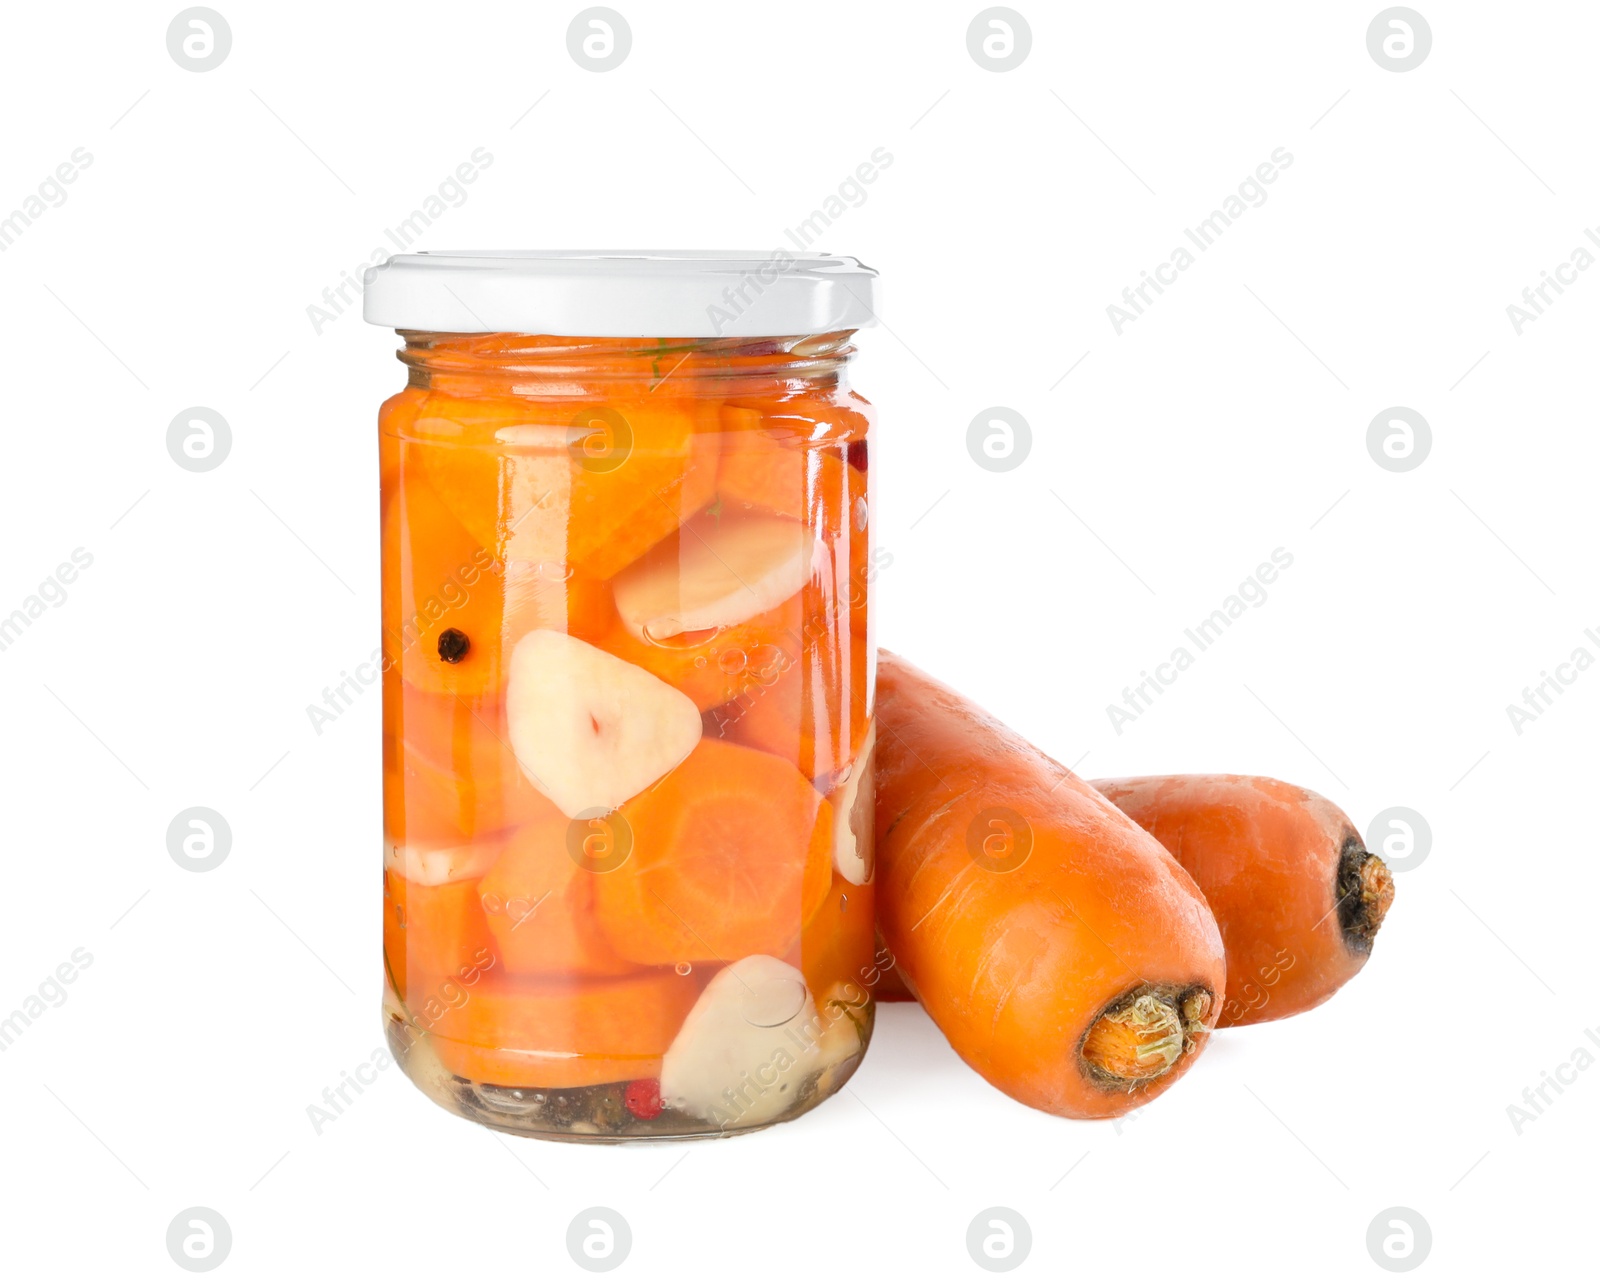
x,y
891,986
731,853
1296,893
555,1035
1062,951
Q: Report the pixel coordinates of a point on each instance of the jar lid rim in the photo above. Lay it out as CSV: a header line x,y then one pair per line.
x,y
612,293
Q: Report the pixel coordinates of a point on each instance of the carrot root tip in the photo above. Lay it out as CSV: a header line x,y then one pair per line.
x,y
1195,1008
1366,891
1140,1037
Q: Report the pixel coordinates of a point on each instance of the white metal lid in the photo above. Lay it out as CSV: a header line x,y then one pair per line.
x,y
667,294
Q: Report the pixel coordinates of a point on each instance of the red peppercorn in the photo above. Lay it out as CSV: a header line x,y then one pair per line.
x,y
643,1098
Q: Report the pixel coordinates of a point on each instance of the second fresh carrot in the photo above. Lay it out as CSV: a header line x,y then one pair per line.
x,y
1297,895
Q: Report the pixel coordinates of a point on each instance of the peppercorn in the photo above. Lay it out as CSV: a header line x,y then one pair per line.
x,y
606,1109
453,645
643,1098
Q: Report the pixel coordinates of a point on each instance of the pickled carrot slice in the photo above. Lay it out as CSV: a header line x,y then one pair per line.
x,y
438,579
540,906
816,714
449,776
816,415
836,944
395,417
802,718
590,485
432,932
554,1035
713,667
758,473
542,596
731,854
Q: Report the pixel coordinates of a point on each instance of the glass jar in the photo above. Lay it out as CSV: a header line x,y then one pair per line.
x,y
628,674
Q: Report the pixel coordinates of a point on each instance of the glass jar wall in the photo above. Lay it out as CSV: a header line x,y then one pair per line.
x,y
627,883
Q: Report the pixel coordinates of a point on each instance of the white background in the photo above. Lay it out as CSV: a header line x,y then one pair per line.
x,y
1227,421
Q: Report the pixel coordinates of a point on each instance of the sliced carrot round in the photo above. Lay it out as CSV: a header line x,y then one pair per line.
x,y
449,776
555,481
815,714
731,854
539,904
556,1035
395,417
836,944
717,666
443,597
834,414
432,932
757,472
451,609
